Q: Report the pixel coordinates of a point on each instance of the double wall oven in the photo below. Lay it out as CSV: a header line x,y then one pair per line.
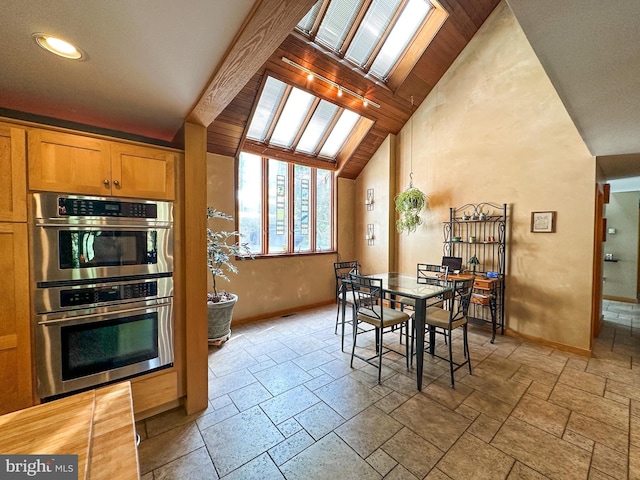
x,y
102,271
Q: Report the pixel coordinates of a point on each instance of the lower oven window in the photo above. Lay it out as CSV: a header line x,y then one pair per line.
x,y
97,347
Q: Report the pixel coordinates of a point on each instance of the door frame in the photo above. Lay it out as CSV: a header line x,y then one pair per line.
x,y
599,236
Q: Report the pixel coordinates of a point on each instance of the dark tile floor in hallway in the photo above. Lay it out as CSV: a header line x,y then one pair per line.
x,y
284,403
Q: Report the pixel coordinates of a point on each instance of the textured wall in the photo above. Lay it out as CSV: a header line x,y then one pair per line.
x,y
494,129
346,228
621,278
377,174
267,285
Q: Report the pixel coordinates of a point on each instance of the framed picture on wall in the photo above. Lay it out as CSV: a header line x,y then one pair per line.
x,y
543,222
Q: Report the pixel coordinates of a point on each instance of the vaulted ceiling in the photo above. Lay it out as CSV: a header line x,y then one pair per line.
x,y
225,134
151,65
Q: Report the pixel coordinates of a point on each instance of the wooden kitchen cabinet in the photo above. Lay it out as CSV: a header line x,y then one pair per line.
x,y
62,162
144,172
15,338
13,176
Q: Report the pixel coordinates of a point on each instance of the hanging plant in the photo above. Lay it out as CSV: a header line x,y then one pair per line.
x,y
409,204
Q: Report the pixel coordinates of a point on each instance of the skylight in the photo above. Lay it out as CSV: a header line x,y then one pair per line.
x,y
374,34
290,118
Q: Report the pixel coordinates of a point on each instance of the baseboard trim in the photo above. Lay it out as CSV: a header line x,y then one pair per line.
x,y
620,299
280,313
547,343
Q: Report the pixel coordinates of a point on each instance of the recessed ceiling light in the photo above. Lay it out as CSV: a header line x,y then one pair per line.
x,y
58,46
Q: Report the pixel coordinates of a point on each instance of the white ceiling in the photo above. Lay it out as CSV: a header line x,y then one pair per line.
x,y
590,51
148,60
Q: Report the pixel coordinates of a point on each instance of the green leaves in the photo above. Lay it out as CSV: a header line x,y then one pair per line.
x,y
222,246
409,204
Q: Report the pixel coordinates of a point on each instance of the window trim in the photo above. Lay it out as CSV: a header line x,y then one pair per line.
x,y
264,220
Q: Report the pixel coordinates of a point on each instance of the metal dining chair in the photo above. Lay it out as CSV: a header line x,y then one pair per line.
x,y
429,274
455,316
343,297
368,308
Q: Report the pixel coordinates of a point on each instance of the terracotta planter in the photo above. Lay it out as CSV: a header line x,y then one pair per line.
x,y
219,316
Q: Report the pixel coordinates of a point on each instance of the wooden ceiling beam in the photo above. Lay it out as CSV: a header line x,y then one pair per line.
x,y
264,30
256,148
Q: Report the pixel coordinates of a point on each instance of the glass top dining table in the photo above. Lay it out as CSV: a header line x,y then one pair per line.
x,y
404,285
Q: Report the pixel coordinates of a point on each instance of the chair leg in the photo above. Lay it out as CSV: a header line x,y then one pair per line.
x,y
343,321
337,316
406,345
354,323
466,347
451,363
379,354
413,338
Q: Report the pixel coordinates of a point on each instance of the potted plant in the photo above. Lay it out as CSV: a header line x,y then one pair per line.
x,y
409,204
221,247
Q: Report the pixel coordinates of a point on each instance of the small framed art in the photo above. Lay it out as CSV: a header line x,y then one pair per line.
x,y
543,222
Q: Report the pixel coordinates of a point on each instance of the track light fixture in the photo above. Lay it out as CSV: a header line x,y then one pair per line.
x,y
311,75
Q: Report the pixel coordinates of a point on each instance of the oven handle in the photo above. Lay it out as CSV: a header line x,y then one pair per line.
x,y
49,323
106,226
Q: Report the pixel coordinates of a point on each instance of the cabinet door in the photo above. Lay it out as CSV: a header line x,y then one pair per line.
x,y
15,341
142,172
13,174
61,162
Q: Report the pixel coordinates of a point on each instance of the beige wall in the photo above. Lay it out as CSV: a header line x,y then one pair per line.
x,y
495,130
621,277
269,285
376,175
346,225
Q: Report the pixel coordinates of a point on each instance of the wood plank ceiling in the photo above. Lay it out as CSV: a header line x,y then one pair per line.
x,y
225,133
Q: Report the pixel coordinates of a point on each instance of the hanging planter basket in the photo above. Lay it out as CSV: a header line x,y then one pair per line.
x,y
409,204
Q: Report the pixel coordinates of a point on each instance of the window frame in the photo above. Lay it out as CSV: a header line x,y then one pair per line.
x,y
264,148
264,217
419,42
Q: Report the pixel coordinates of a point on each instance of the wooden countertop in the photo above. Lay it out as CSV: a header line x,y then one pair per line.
x,y
97,425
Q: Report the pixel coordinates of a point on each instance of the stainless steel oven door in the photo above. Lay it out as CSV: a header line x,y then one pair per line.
x,y
76,351
64,253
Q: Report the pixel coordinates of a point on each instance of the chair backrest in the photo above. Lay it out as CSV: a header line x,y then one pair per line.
x,y
432,274
367,294
463,290
342,271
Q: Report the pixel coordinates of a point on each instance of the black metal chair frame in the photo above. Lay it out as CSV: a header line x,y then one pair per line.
x,y
458,309
368,308
342,271
439,276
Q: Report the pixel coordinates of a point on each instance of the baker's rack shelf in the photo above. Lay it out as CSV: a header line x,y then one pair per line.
x,y
478,234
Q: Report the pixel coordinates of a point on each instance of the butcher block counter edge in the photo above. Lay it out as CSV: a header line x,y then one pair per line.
x,y
97,425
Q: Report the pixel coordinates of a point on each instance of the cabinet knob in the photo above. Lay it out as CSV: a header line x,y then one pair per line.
x,y
116,183
106,183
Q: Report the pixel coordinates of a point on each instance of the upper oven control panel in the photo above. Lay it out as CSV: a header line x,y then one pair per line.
x,y
82,207
56,208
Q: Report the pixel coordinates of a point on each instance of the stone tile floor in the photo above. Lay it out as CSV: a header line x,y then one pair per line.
x,y
284,403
